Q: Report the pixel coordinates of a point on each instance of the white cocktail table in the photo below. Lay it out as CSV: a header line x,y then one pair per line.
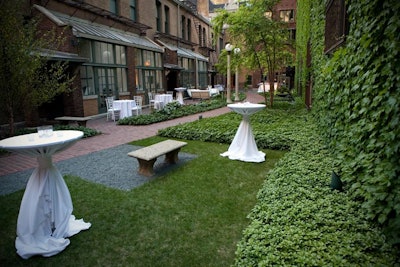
x,y
179,94
243,146
45,219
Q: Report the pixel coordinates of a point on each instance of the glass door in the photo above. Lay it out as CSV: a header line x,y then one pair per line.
x,y
107,87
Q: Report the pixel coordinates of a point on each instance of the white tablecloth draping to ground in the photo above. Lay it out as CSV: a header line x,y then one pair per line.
x,y
45,217
125,107
179,94
243,146
163,99
267,87
214,91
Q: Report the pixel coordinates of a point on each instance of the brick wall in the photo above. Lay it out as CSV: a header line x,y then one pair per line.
x,y
90,106
72,102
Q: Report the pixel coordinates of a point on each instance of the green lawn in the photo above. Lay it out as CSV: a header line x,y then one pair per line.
x,y
192,216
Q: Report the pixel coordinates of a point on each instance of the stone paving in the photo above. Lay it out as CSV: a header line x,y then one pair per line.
x,y
112,135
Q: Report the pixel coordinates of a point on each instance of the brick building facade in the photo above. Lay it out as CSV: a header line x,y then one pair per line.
x,y
123,48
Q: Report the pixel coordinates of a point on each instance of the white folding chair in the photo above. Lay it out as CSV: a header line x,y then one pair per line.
x,y
154,104
112,112
139,101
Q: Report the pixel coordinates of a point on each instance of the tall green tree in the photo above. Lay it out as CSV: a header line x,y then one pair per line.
x,y
263,40
27,78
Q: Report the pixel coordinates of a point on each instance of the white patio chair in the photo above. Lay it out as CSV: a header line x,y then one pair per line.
x,y
154,104
139,102
112,111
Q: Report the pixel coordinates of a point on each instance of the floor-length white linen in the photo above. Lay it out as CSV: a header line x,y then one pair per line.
x,y
45,218
126,107
261,87
162,100
243,146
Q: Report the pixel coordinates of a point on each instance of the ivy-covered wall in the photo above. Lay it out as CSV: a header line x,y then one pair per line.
x,y
357,104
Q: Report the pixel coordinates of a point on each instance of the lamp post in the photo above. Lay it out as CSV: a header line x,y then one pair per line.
x,y
236,51
228,48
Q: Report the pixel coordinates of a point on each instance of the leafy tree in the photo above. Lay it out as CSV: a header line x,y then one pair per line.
x,y
263,40
27,78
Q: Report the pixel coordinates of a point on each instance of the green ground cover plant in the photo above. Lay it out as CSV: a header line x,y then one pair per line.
x,y
300,221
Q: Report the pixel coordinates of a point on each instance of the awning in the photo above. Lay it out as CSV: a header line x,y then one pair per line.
x,y
183,52
86,29
62,56
107,34
172,66
195,54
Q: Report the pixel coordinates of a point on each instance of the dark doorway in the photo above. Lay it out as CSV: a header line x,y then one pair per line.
x,y
172,81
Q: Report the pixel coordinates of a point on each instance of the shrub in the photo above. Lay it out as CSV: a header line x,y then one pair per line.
x,y
175,110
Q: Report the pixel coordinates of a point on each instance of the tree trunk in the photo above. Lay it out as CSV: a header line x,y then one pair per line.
x,y
11,124
271,81
31,115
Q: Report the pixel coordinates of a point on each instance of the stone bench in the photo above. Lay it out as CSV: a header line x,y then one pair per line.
x,y
148,155
80,120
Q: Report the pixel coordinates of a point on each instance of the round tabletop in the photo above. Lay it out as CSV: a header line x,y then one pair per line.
x,y
246,108
26,142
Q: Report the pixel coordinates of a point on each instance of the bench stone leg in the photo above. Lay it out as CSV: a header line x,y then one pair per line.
x,y
172,157
146,167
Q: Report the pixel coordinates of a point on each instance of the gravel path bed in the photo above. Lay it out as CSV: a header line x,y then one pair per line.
x,y
110,167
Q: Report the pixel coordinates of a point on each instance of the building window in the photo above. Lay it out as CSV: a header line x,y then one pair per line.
x,y
202,72
132,6
166,19
204,37
158,15
200,35
114,6
189,30
105,73
287,15
148,71
187,75
292,34
183,27
221,44
87,81
336,25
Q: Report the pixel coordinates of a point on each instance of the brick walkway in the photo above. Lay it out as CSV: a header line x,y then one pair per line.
x,y
112,135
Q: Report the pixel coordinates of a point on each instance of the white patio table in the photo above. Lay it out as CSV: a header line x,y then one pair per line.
x,y
243,146
126,107
45,219
179,93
